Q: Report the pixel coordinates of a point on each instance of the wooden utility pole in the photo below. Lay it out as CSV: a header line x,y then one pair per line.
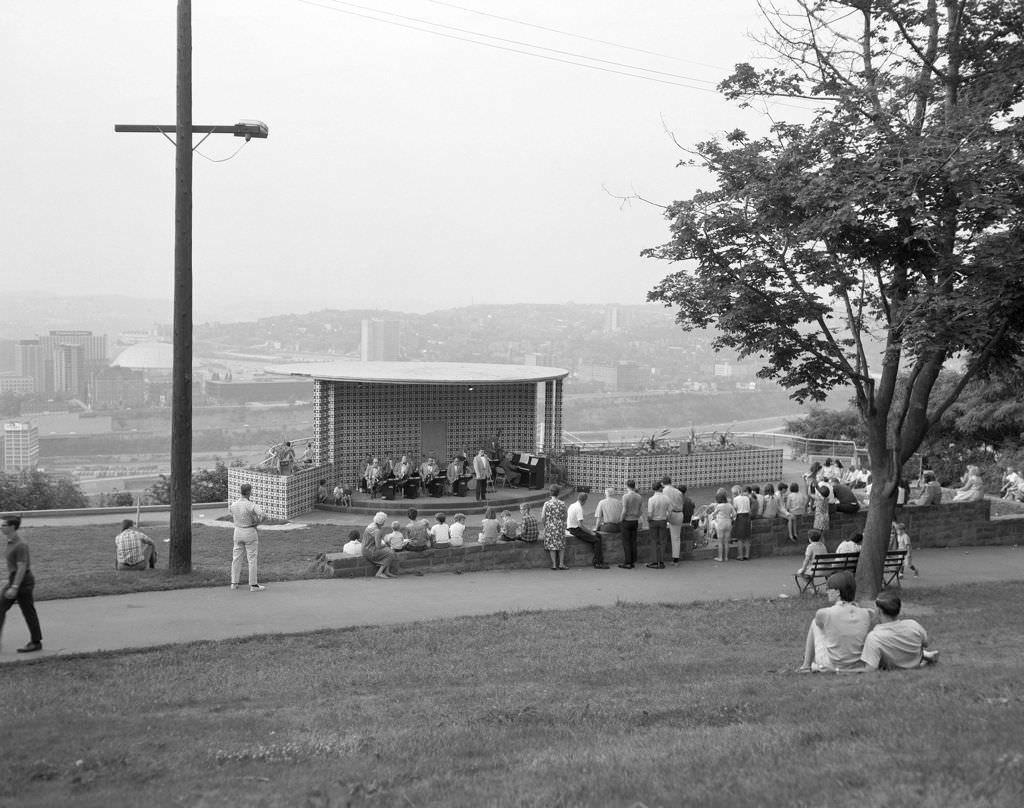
x,y
181,392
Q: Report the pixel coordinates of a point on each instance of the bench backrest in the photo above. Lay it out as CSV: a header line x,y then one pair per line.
x,y
827,563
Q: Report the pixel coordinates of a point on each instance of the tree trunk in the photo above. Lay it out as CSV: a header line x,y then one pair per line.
x,y
877,530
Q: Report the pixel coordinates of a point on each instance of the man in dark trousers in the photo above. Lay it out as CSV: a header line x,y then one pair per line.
x,y
20,583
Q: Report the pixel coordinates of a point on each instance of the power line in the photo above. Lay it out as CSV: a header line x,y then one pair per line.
x,y
521,43
512,50
570,33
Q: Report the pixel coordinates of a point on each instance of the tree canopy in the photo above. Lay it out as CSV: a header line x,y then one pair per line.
x,y
871,244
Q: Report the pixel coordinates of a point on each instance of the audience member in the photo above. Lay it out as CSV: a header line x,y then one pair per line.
x,y
931,493
820,496
846,500
770,507
489,528
852,544
417,532
376,551
246,515
353,546
835,639
529,530
134,550
688,506
722,518
659,507
608,514
902,541
321,491
973,488
895,643
457,531
741,524
440,533
632,508
815,547
508,528
553,516
576,524
675,516
395,539
796,505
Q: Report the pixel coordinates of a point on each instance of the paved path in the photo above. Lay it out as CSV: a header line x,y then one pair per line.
x,y
157,618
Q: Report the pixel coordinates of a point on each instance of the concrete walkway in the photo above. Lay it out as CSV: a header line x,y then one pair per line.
x,y
83,625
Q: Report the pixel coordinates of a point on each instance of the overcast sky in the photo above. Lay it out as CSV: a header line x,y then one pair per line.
x,y
403,170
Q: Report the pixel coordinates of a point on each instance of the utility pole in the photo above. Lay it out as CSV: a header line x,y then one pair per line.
x,y
180,556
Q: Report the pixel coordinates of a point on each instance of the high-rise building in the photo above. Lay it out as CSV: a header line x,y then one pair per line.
x,y
29,361
69,370
381,340
13,383
21,446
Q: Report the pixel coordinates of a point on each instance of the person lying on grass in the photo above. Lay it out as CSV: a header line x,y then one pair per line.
x,y
835,639
896,642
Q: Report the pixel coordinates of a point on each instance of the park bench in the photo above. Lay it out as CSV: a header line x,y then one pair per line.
x,y
826,564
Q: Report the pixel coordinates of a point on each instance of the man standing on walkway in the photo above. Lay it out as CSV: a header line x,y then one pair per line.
x,y
659,507
632,508
675,515
246,515
482,472
574,523
20,584
134,550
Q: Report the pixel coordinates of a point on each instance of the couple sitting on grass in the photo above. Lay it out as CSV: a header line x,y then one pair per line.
x,y
845,638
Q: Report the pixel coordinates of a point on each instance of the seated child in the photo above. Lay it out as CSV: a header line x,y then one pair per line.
x,y
440,535
395,539
815,547
508,528
353,546
457,529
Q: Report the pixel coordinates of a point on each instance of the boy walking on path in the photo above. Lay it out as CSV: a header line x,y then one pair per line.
x,y
20,584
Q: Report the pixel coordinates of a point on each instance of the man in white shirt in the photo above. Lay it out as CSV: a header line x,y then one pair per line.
x,y
675,516
246,515
482,473
574,524
835,639
852,544
659,507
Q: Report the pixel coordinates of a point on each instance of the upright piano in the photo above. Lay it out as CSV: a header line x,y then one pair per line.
x,y
531,467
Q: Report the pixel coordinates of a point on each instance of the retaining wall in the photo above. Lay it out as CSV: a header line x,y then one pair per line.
x,y
952,525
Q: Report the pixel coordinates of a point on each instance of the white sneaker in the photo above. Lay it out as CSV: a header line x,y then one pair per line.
x,y
257,588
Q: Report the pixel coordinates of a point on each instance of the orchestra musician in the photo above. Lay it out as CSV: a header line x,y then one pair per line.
x,y
453,473
372,478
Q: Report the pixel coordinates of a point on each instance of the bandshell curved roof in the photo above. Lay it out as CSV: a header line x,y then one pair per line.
x,y
421,372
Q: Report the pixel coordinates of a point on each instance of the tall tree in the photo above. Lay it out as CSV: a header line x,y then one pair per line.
x,y
891,224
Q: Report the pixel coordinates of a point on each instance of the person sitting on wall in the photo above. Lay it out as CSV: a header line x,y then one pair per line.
x,y
895,643
529,528
342,496
1013,485
835,639
307,456
321,491
134,550
508,528
417,532
846,500
931,493
575,524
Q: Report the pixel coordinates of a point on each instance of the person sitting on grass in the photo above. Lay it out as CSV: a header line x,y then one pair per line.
x,y
815,547
134,549
895,643
440,534
835,639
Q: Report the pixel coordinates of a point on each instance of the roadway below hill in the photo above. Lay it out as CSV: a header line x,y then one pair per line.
x,y
85,625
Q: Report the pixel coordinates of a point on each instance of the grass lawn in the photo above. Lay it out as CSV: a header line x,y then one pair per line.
x,y
633,705
77,561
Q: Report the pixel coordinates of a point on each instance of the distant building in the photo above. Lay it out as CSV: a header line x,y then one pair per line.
x,y
28,361
21,446
13,383
116,388
381,340
69,370
616,318
61,361
621,377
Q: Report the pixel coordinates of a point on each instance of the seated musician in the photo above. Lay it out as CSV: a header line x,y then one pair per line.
x,y
387,467
453,473
403,469
511,474
371,477
429,472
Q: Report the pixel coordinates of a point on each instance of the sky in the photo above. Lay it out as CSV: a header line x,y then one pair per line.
x,y
404,169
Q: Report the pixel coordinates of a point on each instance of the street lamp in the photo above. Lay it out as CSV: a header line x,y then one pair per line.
x,y
180,556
